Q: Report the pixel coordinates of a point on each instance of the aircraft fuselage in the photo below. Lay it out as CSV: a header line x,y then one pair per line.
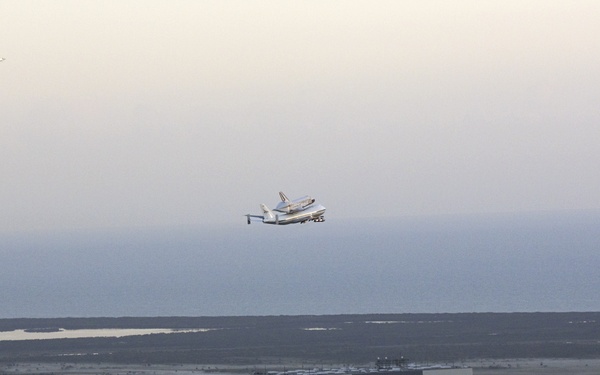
x,y
313,212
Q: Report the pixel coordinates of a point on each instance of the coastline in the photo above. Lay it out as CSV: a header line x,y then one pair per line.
x,y
516,366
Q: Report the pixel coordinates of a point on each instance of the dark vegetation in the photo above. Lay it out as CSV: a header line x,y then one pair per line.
x,y
351,339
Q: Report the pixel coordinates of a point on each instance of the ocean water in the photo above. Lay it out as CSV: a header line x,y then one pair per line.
x,y
495,263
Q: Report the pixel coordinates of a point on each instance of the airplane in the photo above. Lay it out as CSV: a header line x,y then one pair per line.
x,y
300,210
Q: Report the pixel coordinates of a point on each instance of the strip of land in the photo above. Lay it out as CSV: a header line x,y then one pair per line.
x,y
529,366
485,341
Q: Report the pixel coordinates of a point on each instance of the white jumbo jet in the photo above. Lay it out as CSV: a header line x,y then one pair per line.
x,y
300,210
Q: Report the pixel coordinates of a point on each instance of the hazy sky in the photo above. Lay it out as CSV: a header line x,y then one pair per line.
x,y
141,113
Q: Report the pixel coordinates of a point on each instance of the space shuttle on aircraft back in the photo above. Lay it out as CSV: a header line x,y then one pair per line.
x,y
300,210
299,204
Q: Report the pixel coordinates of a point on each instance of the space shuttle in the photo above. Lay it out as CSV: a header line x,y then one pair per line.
x,y
299,204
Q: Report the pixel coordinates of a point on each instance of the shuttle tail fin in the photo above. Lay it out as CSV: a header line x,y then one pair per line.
x,y
283,197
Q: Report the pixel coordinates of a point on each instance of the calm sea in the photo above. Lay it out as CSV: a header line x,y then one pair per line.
x,y
500,263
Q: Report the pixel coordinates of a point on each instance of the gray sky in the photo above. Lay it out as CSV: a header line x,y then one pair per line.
x,y
141,113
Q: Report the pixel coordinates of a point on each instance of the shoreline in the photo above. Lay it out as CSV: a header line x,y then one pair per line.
x,y
516,366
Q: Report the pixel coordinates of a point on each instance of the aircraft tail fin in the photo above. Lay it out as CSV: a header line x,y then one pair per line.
x,y
283,197
269,215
